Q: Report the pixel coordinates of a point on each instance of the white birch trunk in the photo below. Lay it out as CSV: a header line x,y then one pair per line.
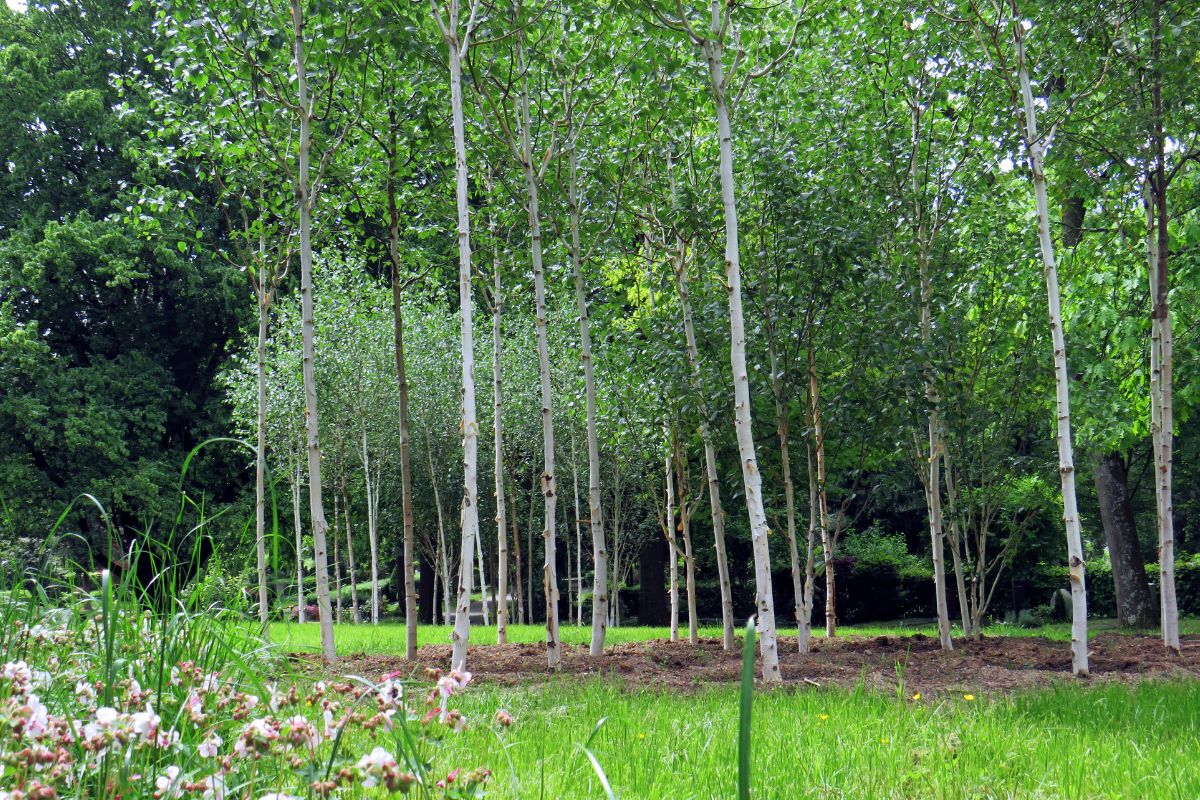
x,y
685,532
372,535
806,608
956,543
498,429
759,530
710,451
304,201
260,461
595,510
1066,456
549,488
814,412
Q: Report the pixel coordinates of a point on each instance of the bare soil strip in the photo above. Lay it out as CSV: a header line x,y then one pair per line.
x,y
998,664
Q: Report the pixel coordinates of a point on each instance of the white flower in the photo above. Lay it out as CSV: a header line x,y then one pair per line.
x,y
453,683
39,717
210,746
194,707
278,796
169,785
214,787
390,693
145,724
375,765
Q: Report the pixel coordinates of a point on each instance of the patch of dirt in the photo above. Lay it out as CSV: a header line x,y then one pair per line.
x,y
997,664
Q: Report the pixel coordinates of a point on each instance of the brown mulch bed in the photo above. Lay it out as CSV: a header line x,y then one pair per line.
x,y
992,664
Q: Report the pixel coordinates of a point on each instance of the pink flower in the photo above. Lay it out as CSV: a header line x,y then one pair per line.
x,y
503,718
377,767
168,785
210,746
194,707
453,683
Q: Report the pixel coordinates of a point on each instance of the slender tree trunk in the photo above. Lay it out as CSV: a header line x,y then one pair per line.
x,y
533,494
957,538
672,545
932,472
483,584
304,202
789,492
1066,456
516,536
409,548
759,530
354,604
443,553
549,488
301,601
814,413
806,607
372,535
498,429
337,557
710,451
685,532
260,461
595,510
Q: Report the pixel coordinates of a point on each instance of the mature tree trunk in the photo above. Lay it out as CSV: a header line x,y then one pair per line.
x,y
409,550
710,451
300,598
803,634
549,488
1066,457
304,201
1161,347
595,512
470,426
1135,603
814,416
260,461
498,429
759,530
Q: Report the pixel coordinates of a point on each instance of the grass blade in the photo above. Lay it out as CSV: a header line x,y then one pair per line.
x,y
747,704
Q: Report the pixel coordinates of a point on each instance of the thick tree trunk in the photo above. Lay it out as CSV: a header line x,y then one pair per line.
x,y
1066,456
1161,348
1135,603
595,511
470,425
304,201
759,530
710,451
549,488
260,461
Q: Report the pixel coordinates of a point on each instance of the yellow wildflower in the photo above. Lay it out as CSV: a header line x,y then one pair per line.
x,y
968,697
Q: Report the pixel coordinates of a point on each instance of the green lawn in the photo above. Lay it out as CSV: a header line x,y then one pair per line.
x,y
388,638
1108,741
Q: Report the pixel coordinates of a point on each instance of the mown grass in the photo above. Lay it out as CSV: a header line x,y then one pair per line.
x,y
1108,741
388,638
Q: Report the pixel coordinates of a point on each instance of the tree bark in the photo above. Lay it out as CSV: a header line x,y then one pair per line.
x,y
1066,456
300,598
304,202
710,451
814,413
549,487
759,530
372,534
672,545
685,533
411,615
498,429
1135,603
260,460
470,425
595,511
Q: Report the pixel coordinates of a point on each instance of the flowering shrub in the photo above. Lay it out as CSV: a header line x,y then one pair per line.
x,y
91,705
